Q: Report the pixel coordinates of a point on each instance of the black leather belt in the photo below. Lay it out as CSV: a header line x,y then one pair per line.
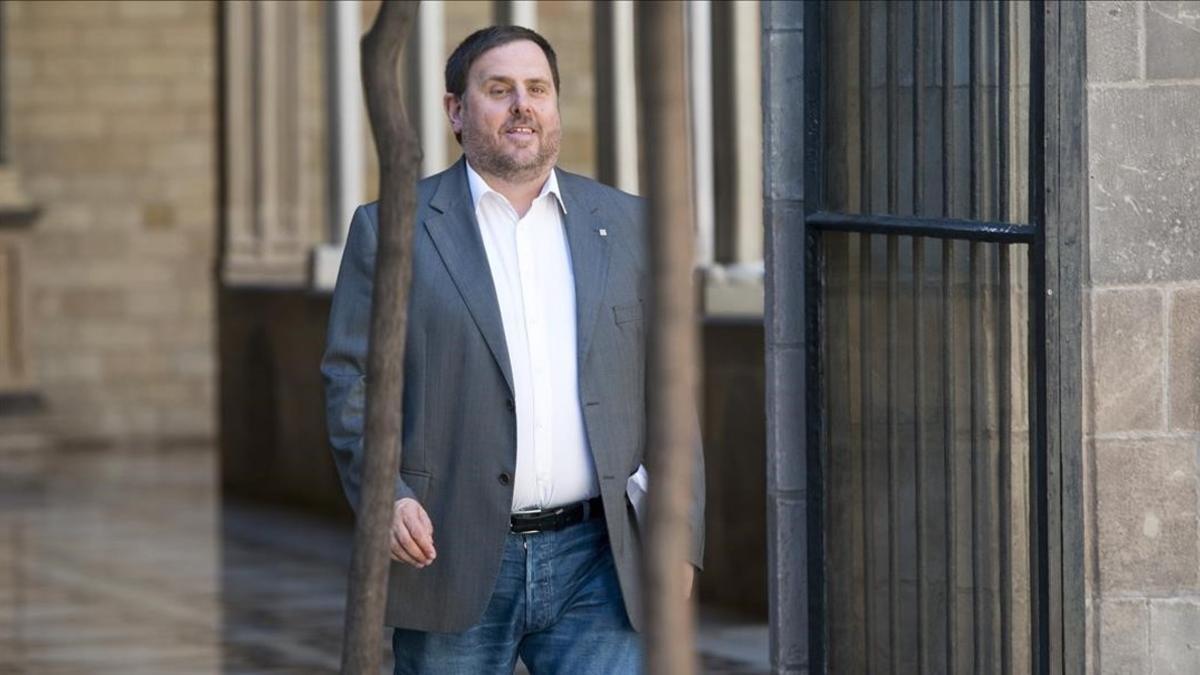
x,y
548,520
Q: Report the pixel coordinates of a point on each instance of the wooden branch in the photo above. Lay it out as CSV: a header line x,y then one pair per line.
x,y
670,619
399,159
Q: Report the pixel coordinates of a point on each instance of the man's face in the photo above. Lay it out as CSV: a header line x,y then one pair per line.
x,y
508,115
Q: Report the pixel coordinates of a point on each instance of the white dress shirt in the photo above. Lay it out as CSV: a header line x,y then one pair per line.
x,y
531,269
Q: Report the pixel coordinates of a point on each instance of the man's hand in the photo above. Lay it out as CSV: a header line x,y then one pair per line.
x,y
689,573
412,534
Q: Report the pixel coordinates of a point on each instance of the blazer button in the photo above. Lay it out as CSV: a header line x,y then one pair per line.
x,y
508,403
504,478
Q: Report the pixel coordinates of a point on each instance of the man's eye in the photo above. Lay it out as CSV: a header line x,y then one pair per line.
x,y
499,92
538,90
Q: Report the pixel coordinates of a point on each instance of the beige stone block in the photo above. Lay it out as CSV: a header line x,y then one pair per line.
x,y
70,367
1113,49
1175,637
78,11
192,38
1124,627
66,124
89,156
110,273
195,363
193,94
44,37
182,187
125,95
1146,511
1183,365
184,334
93,302
124,367
194,421
72,67
114,334
54,247
157,216
169,66
155,302
147,125
184,154
164,9
36,96
116,38
20,70
1127,360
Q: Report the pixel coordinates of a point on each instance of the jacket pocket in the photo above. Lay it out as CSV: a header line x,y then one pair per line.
x,y
626,313
418,481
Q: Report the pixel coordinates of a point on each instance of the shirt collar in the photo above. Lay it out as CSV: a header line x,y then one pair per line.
x,y
479,188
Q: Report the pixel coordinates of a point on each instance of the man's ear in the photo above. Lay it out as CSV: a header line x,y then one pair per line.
x,y
454,108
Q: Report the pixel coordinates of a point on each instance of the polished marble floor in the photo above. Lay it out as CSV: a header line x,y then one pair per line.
x,y
127,561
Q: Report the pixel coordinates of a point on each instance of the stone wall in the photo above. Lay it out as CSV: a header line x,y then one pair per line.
x,y
1142,412
111,120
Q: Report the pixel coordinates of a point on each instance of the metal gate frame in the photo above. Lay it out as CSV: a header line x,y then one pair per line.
x,y
794,218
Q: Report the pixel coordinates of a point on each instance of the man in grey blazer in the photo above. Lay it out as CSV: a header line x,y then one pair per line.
x,y
524,400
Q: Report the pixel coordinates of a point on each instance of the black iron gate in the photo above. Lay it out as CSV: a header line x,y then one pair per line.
x,y
923,335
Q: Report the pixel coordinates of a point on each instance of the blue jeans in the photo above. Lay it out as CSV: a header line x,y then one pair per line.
x,y
557,604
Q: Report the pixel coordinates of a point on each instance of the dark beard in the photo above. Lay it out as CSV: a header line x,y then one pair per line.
x,y
485,157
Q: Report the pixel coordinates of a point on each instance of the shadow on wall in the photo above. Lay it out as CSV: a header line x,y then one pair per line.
x,y
272,424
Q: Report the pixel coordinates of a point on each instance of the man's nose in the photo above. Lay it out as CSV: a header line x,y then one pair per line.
x,y
521,102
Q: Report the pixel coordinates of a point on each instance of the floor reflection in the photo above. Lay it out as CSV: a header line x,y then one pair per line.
x,y
128,562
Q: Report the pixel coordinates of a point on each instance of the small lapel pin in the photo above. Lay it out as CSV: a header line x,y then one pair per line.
x,y
603,232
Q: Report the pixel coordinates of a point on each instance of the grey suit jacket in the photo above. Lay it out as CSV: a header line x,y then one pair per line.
x,y
459,427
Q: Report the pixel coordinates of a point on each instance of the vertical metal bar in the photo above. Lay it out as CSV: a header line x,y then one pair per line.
x,y
814,190
1066,265
891,398
867,410
948,383
972,96
995,65
1005,351
865,193
893,447
1004,423
918,110
919,447
864,96
977,395
1039,550
892,117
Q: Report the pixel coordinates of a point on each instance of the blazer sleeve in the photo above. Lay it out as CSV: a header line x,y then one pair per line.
x,y
696,512
344,363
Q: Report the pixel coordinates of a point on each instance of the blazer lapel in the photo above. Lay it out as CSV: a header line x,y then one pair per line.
x,y
589,260
455,234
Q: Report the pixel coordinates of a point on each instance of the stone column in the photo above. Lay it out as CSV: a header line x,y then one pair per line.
x,y
1143,360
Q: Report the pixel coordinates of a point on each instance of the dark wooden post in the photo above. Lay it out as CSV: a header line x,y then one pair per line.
x,y
670,618
399,159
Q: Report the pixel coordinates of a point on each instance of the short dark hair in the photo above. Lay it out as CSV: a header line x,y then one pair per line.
x,y
484,39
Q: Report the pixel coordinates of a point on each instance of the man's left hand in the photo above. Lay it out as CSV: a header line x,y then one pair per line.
x,y
689,574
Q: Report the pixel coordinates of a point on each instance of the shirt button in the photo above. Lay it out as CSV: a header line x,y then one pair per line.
x,y
504,478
